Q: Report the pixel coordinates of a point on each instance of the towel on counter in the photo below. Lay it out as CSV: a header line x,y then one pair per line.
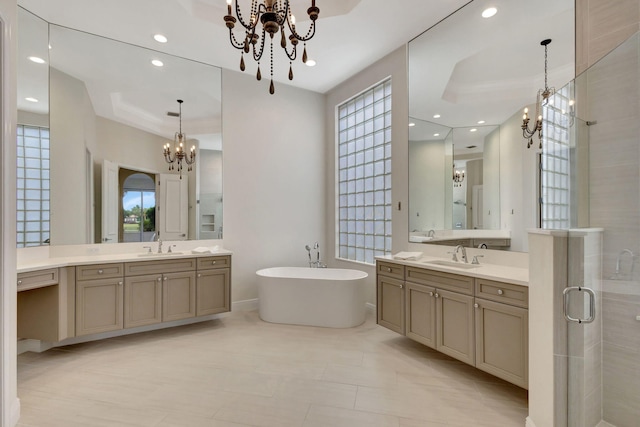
x,y
408,255
203,250
419,239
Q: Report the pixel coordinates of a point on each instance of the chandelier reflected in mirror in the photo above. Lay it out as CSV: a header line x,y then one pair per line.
x,y
269,17
176,155
541,100
458,177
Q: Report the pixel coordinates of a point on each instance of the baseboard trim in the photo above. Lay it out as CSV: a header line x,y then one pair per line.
x,y
529,422
245,305
14,417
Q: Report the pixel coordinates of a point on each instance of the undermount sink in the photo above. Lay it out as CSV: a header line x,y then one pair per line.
x,y
149,254
453,264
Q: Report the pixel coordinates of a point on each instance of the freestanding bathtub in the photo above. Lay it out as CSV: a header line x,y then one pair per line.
x,y
329,297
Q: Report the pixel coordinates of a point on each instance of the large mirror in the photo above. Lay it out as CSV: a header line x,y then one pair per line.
x,y
472,179
111,111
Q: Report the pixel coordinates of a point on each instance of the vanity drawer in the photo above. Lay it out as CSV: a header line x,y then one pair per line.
x,y
206,263
159,267
37,279
389,269
99,271
437,279
507,293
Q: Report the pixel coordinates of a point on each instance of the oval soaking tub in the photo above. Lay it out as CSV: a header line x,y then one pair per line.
x,y
328,297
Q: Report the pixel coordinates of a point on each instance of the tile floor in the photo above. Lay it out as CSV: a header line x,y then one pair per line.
x,y
240,371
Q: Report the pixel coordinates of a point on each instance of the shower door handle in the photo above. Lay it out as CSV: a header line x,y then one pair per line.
x,y
592,304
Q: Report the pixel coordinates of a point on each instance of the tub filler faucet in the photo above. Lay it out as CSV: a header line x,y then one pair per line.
x,y
316,263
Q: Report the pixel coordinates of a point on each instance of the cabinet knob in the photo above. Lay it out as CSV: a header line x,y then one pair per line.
x,y
19,282
400,286
100,271
159,279
436,295
199,275
213,263
120,283
165,278
500,292
430,294
476,305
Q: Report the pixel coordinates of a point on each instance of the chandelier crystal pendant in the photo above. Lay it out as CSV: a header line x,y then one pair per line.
x,y
177,154
541,100
273,16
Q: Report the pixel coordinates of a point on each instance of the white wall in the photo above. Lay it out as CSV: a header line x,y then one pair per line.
x,y
73,125
427,185
394,65
274,171
9,403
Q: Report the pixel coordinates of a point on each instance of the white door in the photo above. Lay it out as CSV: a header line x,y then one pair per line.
x,y
173,207
110,202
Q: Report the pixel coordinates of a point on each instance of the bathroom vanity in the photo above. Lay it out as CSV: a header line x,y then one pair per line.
x,y
477,314
81,297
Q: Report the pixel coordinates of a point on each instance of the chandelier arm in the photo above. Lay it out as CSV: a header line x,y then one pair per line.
x,y
294,53
258,56
234,41
250,25
310,33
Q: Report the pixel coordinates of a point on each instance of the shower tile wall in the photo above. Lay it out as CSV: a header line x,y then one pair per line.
x,y
613,94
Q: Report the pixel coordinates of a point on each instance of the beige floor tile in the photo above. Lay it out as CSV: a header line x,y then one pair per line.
x,y
325,416
239,371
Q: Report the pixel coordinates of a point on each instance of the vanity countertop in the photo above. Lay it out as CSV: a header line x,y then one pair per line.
x,y
500,273
55,262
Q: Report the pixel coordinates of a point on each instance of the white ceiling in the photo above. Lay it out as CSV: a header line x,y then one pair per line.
x,y
351,34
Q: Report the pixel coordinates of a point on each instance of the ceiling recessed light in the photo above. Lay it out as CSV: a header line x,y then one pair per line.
x,y
480,122
489,12
473,130
157,63
36,59
412,124
436,116
436,134
310,63
31,99
160,38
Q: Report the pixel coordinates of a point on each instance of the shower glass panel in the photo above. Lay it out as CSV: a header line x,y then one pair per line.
x,y
604,356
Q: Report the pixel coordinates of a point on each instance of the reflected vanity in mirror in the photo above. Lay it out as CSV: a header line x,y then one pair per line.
x,y
472,179
110,113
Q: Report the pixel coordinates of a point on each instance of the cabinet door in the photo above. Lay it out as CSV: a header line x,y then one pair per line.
x,y
178,296
142,300
455,332
212,292
502,341
98,306
390,304
421,313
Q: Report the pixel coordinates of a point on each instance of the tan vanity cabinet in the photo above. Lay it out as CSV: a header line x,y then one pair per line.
x,y
99,298
213,285
440,312
178,287
142,300
390,292
502,327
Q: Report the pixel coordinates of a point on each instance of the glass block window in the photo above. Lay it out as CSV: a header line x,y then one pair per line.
x,y
555,188
364,175
33,186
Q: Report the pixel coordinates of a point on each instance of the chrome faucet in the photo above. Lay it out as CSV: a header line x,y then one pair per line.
x,y
431,233
316,263
464,253
159,246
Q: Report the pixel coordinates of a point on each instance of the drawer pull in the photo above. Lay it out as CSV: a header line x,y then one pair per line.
x,y
430,294
159,279
199,275
165,278
388,269
213,263
100,271
476,305
19,282
436,295
120,283
500,292
400,286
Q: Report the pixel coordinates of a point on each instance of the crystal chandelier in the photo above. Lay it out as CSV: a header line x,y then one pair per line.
x,y
274,15
178,155
458,177
541,100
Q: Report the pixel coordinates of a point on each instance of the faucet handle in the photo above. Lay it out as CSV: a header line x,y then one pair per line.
x,y
453,256
171,246
475,259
